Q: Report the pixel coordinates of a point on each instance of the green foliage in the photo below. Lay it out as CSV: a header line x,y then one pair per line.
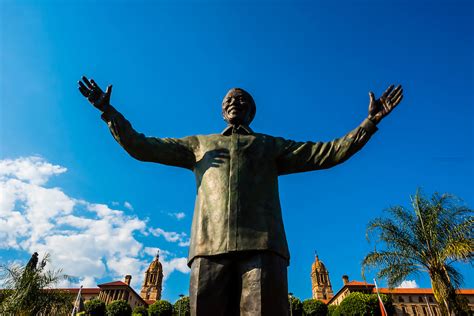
x,y
119,308
354,304
95,307
140,311
81,314
27,289
160,308
363,304
296,306
312,307
430,238
183,305
333,310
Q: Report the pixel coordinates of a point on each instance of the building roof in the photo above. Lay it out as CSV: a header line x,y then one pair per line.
x,y
415,291
358,283
85,290
114,283
149,302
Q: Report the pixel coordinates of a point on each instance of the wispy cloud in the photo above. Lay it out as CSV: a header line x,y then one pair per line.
x,y
128,205
86,239
177,215
408,284
180,238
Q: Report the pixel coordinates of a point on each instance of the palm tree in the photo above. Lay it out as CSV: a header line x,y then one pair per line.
x,y
28,290
429,238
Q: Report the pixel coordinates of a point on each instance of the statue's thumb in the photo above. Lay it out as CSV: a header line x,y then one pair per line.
x,y
108,91
371,96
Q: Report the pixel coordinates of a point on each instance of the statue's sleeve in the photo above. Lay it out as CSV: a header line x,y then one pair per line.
x,y
293,157
177,152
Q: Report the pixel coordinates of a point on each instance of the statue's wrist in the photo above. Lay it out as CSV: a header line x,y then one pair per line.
x,y
373,119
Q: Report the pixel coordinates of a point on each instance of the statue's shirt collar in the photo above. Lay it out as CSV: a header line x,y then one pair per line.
x,y
239,129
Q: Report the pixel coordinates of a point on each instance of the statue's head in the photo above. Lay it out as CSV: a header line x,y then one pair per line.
x,y
238,107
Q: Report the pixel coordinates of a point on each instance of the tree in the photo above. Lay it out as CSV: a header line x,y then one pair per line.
x,y
357,303
28,289
354,304
160,308
333,310
140,311
119,308
95,307
312,307
429,238
295,307
182,305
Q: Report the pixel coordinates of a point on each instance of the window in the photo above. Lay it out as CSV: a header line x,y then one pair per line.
x,y
400,299
420,300
409,299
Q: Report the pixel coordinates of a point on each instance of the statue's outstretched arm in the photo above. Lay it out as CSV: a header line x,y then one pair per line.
x,y
169,151
293,157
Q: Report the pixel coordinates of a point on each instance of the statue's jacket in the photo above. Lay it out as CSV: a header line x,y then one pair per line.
x,y
237,205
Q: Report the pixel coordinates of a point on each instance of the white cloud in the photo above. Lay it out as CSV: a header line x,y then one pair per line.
x,y
408,284
128,205
30,169
178,215
88,240
180,238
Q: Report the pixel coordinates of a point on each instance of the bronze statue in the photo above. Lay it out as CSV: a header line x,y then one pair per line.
x,y
238,253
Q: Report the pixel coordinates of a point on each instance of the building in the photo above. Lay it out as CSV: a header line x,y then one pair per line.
x,y
406,301
152,284
320,282
121,290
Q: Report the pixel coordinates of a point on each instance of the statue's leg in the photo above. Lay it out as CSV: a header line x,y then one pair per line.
x,y
264,285
211,286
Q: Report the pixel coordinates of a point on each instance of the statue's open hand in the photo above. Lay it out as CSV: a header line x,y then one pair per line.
x,y
94,93
379,108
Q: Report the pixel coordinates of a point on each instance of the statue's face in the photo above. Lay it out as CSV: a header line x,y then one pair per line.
x,y
236,107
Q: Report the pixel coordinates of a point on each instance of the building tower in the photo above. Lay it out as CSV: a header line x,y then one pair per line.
x,y
151,289
320,282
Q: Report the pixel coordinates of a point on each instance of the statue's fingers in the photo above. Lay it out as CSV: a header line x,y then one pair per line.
x,y
94,84
87,82
395,95
394,91
108,91
398,100
387,92
81,85
84,91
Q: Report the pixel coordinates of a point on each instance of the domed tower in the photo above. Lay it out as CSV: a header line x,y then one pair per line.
x,y
151,289
321,284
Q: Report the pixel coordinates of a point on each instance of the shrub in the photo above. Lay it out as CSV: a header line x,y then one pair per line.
x,y
140,311
312,307
183,304
296,306
160,308
119,308
354,304
364,304
95,307
333,310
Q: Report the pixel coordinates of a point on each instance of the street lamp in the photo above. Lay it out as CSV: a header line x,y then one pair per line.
x,y
180,302
291,303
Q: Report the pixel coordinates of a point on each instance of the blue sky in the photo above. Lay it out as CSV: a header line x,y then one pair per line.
x,y
309,66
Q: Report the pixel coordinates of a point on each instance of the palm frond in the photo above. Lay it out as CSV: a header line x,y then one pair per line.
x,y
435,233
